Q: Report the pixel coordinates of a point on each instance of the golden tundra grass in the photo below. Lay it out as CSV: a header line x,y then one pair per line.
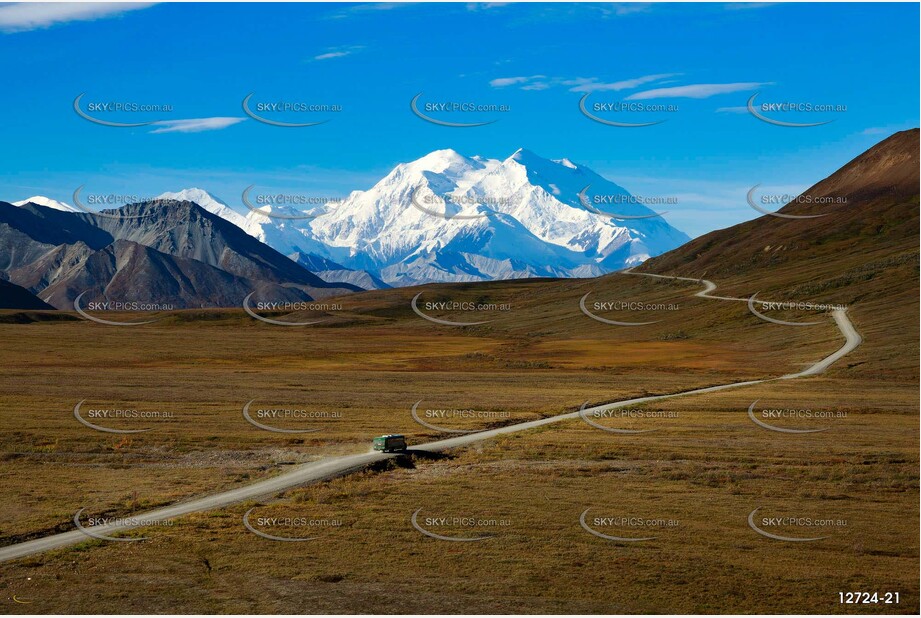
x,y
706,467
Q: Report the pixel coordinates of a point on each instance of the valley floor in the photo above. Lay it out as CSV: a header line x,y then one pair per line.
x,y
692,483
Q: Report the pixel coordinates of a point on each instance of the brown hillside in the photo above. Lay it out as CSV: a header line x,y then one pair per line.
x,y
880,216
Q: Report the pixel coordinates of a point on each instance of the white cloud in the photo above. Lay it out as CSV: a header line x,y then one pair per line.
x,y
742,6
482,6
577,84
592,84
624,8
695,91
739,109
366,8
22,17
338,52
502,82
196,125
329,55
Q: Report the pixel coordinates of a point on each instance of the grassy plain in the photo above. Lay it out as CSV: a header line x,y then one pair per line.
x,y
705,468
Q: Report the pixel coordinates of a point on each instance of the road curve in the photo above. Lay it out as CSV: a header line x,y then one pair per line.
x,y
333,467
852,338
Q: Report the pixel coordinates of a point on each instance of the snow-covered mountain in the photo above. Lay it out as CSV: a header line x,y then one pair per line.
x,y
447,217
41,200
208,202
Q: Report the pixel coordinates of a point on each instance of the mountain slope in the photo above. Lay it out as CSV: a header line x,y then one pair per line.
x,y
186,230
126,271
47,202
331,272
448,217
165,252
48,227
14,297
864,255
433,218
880,217
207,201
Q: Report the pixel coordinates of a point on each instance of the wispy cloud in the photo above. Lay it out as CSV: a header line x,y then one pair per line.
x,y
366,8
576,84
593,85
738,109
557,12
22,17
624,8
329,55
338,52
502,82
483,6
196,125
695,91
743,6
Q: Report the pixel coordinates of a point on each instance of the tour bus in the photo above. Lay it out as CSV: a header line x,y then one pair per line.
x,y
390,442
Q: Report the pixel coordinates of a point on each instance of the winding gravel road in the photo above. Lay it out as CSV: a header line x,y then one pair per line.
x,y
338,466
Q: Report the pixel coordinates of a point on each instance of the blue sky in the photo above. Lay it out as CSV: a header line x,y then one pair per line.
x,y
537,60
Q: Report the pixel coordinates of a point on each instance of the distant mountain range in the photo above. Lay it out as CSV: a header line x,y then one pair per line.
x,y
164,252
446,217
449,218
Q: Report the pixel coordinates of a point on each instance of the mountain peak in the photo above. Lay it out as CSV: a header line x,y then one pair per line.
x,y
439,161
523,155
47,202
529,158
473,215
208,201
446,153
192,194
566,163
